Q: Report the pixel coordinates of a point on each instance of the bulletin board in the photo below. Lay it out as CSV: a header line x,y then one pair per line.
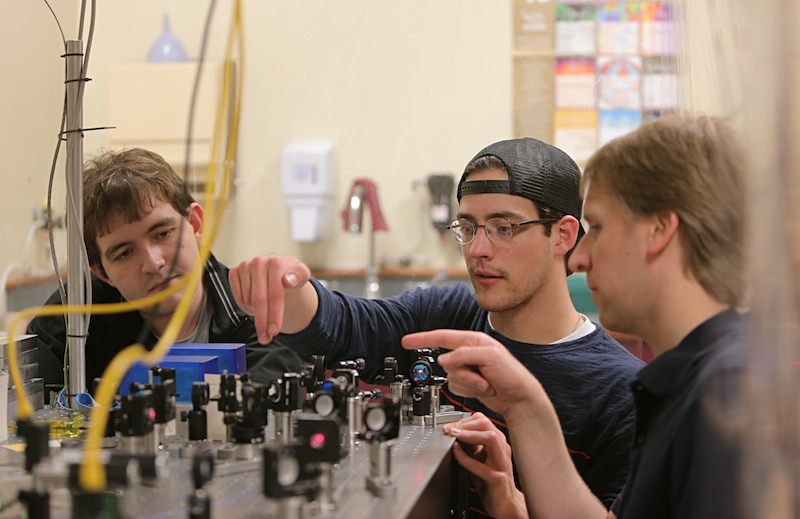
x,y
588,71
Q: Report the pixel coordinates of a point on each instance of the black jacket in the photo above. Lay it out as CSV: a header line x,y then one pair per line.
x,y
109,334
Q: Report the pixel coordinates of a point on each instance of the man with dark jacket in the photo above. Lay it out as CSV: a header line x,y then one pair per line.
x,y
142,231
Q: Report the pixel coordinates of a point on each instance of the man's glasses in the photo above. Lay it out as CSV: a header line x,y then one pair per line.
x,y
498,229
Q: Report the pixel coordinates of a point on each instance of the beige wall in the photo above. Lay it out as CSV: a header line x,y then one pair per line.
x,y
403,87
31,98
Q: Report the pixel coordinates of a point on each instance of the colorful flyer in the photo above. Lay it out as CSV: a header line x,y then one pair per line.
x,y
576,83
618,27
620,81
576,133
614,123
576,29
620,12
658,29
659,82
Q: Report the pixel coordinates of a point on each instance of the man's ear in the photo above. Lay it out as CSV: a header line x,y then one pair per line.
x,y
100,272
566,230
195,217
663,229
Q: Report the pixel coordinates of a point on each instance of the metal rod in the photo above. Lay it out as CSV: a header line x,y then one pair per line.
x,y
76,330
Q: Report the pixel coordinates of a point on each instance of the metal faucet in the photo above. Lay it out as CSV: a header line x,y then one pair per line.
x,y
355,213
365,192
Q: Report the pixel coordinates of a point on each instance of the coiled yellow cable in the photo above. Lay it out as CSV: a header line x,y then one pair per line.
x,y
92,473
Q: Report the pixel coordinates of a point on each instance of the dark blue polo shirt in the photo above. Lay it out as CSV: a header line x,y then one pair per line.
x,y
686,456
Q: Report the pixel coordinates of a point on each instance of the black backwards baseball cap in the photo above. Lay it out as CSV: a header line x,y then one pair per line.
x,y
536,171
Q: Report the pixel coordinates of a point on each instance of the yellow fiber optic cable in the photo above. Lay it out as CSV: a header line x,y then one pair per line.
x,y
92,472
24,408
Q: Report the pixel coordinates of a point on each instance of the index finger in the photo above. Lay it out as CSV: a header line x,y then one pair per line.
x,y
272,307
449,339
258,289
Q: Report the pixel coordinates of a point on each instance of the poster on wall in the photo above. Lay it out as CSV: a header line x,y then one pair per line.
x,y
619,81
576,80
575,30
618,27
659,82
614,123
658,31
576,133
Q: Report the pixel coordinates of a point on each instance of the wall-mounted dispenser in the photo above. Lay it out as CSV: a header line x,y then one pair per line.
x,y
308,181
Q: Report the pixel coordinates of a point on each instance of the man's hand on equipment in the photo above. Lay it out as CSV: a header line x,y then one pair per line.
x,y
483,451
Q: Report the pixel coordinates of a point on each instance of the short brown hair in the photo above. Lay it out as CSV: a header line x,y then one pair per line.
x,y
489,162
694,166
126,184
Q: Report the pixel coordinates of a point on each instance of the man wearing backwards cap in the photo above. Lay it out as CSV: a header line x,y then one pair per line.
x,y
518,221
665,258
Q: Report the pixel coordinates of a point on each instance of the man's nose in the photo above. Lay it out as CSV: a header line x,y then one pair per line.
x,y
481,245
580,259
153,260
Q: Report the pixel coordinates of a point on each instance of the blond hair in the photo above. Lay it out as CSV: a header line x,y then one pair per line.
x,y
694,166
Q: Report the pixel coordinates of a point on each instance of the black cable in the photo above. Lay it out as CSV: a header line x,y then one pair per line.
x,y
63,39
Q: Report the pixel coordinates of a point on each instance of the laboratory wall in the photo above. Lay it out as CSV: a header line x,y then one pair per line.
x,y
31,101
403,88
